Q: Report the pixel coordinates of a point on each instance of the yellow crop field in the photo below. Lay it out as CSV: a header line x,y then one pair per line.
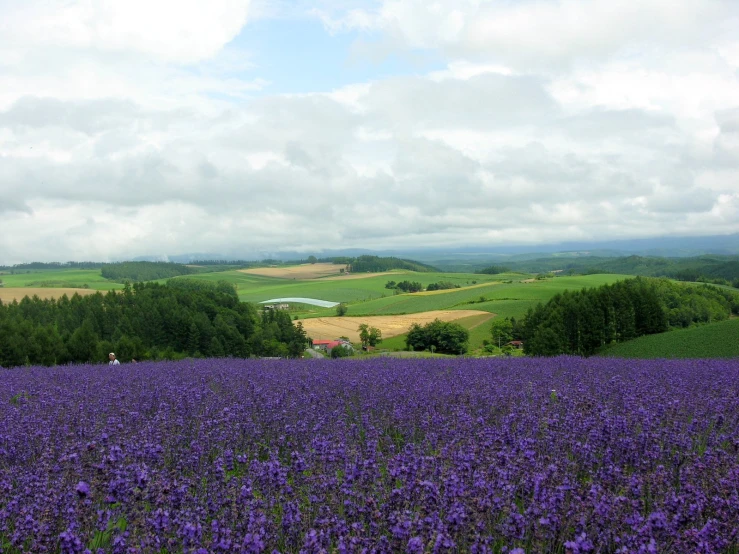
x,y
307,272
10,294
347,276
390,325
304,271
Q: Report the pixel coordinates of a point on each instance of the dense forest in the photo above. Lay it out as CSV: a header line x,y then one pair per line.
x,y
51,265
724,269
237,264
144,321
122,272
582,322
494,270
710,268
374,264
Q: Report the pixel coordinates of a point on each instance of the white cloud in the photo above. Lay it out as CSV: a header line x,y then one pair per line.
x,y
170,30
542,34
120,135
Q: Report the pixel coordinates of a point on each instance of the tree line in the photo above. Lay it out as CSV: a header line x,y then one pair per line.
x,y
442,285
121,272
716,269
582,322
377,264
494,270
405,286
51,265
145,321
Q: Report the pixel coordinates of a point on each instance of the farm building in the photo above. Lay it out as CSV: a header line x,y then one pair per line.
x,y
310,301
321,344
328,345
515,344
277,307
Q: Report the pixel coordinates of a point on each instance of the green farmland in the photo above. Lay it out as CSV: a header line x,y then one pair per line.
x,y
505,295
504,299
365,295
715,340
58,278
351,290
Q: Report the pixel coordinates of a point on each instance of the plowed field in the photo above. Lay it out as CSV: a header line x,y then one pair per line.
x,y
10,294
306,272
390,325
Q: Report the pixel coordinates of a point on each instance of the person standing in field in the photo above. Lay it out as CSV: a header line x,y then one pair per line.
x,y
112,360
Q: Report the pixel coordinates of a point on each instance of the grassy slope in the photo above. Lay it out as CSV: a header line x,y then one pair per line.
x,y
60,278
715,340
370,297
367,296
504,299
253,288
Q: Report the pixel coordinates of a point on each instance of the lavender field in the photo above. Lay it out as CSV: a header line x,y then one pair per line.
x,y
455,455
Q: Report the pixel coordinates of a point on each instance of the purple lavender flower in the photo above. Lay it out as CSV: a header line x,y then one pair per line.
x,y
393,456
82,489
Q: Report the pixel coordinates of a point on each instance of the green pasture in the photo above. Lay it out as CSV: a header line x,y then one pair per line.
x,y
514,300
59,278
504,294
714,340
504,299
254,288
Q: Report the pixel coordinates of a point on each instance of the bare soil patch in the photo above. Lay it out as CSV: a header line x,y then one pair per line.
x,y
10,294
311,272
304,271
357,276
390,325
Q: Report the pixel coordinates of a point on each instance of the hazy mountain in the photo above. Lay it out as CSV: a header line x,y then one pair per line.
x,y
661,246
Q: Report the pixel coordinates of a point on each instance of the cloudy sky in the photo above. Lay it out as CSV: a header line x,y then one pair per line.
x,y
235,126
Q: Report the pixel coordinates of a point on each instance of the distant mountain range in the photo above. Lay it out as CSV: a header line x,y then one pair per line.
x,y
660,246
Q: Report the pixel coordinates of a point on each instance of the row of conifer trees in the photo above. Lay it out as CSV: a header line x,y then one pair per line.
x,y
144,321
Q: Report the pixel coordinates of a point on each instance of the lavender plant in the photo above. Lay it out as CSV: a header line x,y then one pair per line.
x,y
456,455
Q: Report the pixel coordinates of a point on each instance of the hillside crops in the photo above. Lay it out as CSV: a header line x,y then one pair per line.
x,y
348,288
62,278
519,296
389,325
714,340
8,295
559,455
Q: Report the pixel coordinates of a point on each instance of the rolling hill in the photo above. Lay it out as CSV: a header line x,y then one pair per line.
x,y
714,340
